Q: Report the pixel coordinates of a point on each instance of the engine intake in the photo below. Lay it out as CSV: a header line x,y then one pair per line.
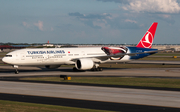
x,y
84,64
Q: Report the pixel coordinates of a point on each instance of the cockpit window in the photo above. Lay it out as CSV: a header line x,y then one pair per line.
x,y
8,56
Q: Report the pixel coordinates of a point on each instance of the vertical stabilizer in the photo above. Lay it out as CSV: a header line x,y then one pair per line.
x,y
147,40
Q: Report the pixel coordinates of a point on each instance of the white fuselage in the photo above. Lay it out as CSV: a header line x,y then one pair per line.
x,y
56,56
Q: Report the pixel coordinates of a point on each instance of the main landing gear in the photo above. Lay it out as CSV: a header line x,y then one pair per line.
x,y
16,69
97,69
93,69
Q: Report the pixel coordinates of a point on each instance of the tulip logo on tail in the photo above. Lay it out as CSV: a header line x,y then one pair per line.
x,y
147,40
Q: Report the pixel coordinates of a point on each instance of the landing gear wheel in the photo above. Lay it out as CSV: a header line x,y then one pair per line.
x,y
16,72
93,69
99,69
16,69
96,69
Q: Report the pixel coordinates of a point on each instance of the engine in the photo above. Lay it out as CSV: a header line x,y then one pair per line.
x,y
52,66
84,64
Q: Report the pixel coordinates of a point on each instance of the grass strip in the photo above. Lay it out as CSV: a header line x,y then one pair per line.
x,y
166,54
125,81
160,58
120,65
13,106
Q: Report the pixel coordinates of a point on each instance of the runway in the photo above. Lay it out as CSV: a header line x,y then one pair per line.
x,y
104,94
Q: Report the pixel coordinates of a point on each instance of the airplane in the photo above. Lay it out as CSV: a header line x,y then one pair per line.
x,y
87,58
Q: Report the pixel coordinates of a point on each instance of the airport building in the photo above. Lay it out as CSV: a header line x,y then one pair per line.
x,y
48,44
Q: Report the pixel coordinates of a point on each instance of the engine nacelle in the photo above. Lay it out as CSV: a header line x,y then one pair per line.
x,y
84,64
52,66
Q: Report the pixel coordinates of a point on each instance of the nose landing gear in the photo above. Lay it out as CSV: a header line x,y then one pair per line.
x,y
16,69
16,72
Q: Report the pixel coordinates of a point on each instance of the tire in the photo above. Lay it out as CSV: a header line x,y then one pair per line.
x,y
16,72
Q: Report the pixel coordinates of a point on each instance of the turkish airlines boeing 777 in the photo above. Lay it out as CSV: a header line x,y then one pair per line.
x,y
82,58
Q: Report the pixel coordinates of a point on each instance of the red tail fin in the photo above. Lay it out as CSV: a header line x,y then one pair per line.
x,y
147,40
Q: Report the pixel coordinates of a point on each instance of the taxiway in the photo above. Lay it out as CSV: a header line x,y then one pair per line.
x,y
8,71
105,94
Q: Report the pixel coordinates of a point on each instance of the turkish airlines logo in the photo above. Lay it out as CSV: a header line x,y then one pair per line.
x,y
147,40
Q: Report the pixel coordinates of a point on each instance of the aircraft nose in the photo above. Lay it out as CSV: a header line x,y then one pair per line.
x,y
5,60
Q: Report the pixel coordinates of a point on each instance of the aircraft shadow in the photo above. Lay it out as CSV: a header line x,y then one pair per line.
x,y
11,70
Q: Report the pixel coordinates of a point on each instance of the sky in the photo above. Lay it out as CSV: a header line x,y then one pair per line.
x,y
88,21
